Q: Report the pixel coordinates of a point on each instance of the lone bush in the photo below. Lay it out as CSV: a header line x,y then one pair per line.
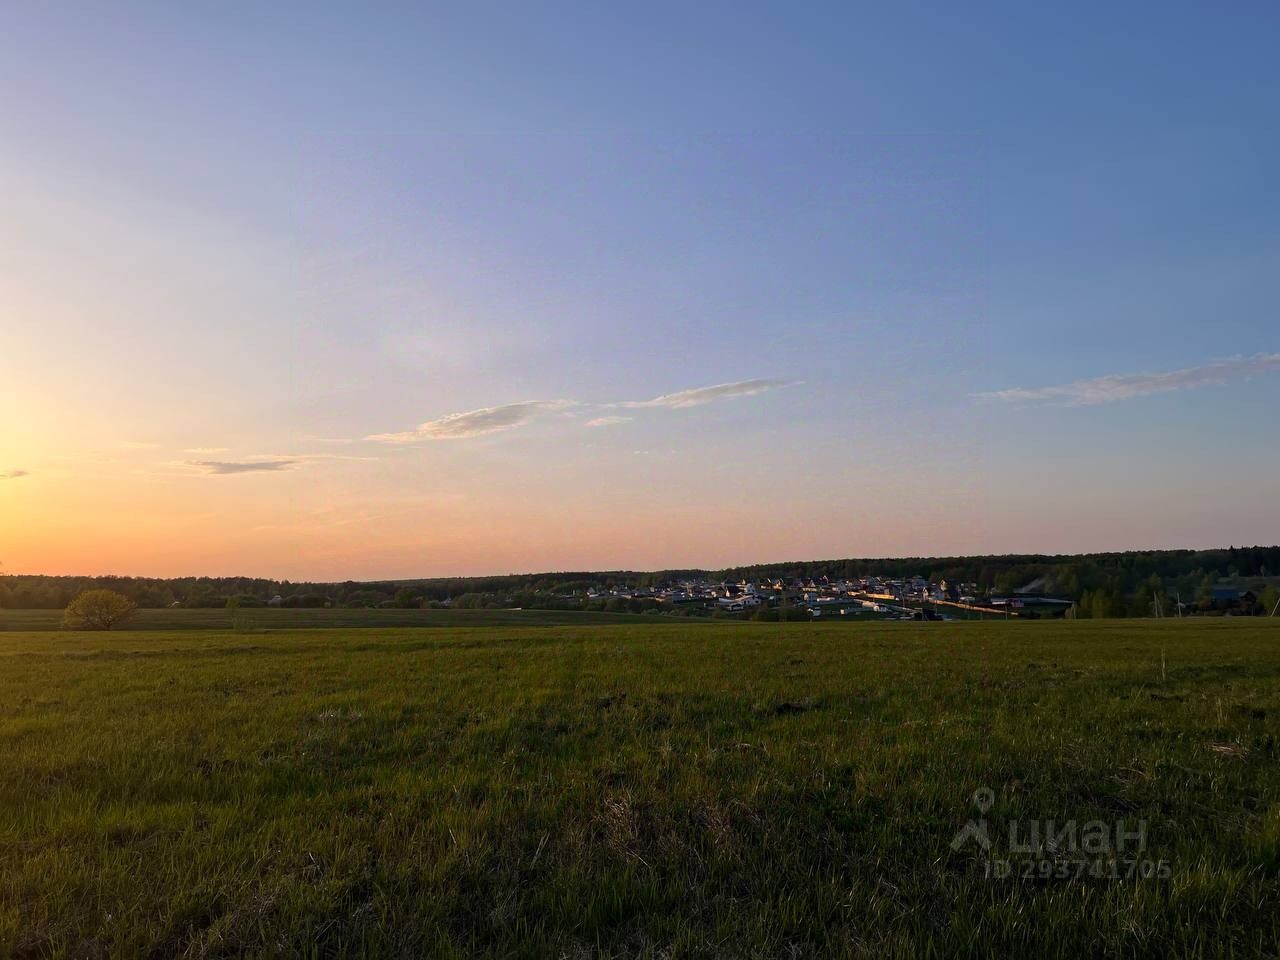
x,y
98,610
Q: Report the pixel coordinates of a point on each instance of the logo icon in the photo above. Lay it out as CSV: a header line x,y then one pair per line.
x,y
983,798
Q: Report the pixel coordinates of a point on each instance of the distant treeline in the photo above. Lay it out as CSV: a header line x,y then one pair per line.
x,y
1102,584
1063,575
1131,583
545,591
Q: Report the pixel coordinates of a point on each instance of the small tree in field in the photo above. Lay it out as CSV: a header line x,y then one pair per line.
x,y
98,610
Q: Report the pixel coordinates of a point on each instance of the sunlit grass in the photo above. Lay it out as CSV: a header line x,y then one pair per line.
x,y
651,790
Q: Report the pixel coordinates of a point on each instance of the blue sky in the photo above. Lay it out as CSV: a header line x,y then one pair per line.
x,y
251,231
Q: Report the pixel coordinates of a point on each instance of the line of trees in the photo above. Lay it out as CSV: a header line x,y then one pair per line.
x,y
1134,583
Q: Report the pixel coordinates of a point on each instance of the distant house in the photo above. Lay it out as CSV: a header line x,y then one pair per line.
x,y
1230,597
275,601
1033,605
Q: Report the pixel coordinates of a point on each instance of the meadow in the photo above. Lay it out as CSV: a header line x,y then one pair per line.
x,y
637,790
255,619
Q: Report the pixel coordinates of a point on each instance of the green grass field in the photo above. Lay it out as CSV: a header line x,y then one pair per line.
x,y
251,619
654,790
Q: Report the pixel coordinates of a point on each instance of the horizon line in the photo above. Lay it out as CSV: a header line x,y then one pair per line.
x,y
625,570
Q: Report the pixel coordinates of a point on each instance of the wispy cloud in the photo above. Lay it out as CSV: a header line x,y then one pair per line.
x,y
475,423
253,465
13,474
701,395
268,462
1126,386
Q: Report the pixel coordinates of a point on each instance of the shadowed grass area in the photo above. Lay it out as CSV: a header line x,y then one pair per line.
x,y
664,790
259,619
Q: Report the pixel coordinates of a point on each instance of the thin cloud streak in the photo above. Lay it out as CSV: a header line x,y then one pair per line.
x,y
475,423
1108,389
222,468
700,395
14,474
268,463
487,420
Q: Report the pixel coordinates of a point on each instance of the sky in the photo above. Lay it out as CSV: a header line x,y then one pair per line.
x,y
323,291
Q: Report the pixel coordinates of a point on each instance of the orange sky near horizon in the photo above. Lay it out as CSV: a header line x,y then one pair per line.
x,y
354,524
